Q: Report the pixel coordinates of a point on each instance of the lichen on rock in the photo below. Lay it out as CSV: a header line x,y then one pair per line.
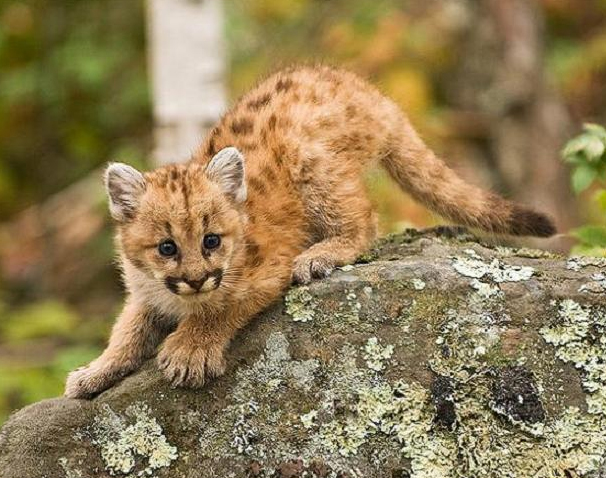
x,y
418,284
493,369
474,266
300,304
579,334
577,263
376,354
136,434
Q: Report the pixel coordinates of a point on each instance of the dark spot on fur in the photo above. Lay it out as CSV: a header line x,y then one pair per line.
x,y
205,221
351,111
253,256
279,152
271,123
526,222
326,122
138,263
161,180
242,126
283,85
185,192
174,174
257,184
210,149
269,173
312,97
260,102
442,393
516,396
248,146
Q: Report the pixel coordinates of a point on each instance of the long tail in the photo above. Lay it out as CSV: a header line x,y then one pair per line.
x,y
418,171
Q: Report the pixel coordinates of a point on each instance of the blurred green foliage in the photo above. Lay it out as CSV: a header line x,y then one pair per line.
x,y
74,93
41,342
587,156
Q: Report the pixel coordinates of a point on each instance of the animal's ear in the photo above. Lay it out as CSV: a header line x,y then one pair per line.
x,y
227,170
124,185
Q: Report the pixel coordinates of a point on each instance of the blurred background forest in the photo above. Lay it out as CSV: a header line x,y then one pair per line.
x,y
497,87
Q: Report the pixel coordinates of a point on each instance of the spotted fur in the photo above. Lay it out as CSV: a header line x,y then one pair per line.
x,y
288,201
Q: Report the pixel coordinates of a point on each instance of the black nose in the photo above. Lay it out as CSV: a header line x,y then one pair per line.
x,y
195,284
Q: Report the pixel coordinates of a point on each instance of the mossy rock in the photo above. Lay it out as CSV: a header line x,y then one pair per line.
x,y
436,356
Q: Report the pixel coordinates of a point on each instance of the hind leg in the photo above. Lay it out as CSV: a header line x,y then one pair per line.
x,y
342,245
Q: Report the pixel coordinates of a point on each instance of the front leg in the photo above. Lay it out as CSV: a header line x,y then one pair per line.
x,y
194,351
134,338
319,260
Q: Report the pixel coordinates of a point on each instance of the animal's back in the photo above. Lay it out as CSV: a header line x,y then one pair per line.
x,y
309,134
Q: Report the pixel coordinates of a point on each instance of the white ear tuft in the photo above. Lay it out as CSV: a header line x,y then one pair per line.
x,y
124,185
227,170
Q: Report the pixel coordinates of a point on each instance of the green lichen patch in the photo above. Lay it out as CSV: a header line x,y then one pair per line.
x,y
68,471
300,304
348,310
525,252
276,369
376,354
485,290
577,263
418,284
246,428
579,334
597,284
132,444
475,267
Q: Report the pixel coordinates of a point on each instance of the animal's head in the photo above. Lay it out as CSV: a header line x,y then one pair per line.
x,y
181,226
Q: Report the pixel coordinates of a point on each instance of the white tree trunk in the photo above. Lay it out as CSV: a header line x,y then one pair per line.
x,y
187,55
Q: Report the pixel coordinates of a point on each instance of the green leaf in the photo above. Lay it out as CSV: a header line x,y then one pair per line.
x,y
594,148
575,159
582,177
575,146
591,143
595,129
591,235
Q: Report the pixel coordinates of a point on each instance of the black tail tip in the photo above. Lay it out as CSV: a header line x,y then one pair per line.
x,y
526,222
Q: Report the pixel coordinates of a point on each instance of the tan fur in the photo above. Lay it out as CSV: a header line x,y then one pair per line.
x,y
307,136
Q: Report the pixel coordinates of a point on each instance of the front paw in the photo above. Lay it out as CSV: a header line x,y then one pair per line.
x,y
88,381
187,364
308,267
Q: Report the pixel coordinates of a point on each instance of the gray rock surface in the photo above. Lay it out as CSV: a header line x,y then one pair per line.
x,y
434,356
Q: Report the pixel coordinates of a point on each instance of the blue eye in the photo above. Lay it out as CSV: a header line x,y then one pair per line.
x,y
167,248
211,241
